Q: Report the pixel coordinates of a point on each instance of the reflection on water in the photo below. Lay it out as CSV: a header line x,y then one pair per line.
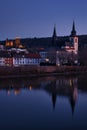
x,y
43,103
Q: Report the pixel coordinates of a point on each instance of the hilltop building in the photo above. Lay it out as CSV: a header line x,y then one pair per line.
x,y
14,43
9,43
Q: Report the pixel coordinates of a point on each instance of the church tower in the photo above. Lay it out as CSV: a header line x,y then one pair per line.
x,y
74,39
54,37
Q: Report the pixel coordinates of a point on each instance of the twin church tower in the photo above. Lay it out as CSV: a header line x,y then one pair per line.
x,y
72,44
74,39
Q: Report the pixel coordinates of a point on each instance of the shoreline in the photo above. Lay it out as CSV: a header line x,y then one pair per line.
x,y
41,71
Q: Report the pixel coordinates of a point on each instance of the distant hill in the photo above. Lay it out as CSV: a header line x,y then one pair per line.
x,y
47,41
43,42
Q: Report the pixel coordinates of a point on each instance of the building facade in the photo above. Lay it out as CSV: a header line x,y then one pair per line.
x,y
68,54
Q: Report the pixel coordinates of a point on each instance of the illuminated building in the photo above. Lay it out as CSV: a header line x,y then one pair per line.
x,y
9,43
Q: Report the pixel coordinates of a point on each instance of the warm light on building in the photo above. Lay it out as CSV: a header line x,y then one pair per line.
x,y
47,60
9,43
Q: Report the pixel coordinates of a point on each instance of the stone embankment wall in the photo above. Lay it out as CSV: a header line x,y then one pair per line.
x,y
41,70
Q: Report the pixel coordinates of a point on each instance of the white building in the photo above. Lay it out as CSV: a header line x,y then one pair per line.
x,y
26,59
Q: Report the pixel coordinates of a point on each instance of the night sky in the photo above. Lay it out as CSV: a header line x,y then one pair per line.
x,y
36,18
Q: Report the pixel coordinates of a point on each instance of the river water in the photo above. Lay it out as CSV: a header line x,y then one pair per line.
x,y
46,103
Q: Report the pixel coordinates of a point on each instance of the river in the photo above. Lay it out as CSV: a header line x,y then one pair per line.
x,y
43,103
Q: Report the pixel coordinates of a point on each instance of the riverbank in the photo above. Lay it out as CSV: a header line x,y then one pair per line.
x,y
33,71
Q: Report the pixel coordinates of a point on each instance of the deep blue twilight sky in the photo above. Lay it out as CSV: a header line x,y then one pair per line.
x,y
36,18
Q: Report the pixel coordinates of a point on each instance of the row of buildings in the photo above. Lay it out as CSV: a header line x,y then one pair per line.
x,y
13,53
14,58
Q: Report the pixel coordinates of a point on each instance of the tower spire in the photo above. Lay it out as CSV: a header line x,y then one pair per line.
x,y
54,37
73,32
54,31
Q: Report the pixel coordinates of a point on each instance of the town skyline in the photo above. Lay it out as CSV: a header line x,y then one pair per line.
x,y
28,19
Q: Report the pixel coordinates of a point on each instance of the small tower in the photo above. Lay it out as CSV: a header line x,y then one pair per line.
x,y
74,39
54,37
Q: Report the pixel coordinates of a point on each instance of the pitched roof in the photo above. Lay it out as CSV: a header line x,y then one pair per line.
x,y
33,55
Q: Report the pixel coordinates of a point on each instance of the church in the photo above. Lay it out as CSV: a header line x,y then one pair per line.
x,y
68,54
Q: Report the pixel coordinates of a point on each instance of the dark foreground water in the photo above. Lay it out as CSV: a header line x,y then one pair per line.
x,y
47,103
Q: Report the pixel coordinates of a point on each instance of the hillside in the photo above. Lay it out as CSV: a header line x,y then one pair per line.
x,y
47,41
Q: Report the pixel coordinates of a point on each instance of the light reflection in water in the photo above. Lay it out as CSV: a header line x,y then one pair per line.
x,y
34,96
54,86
